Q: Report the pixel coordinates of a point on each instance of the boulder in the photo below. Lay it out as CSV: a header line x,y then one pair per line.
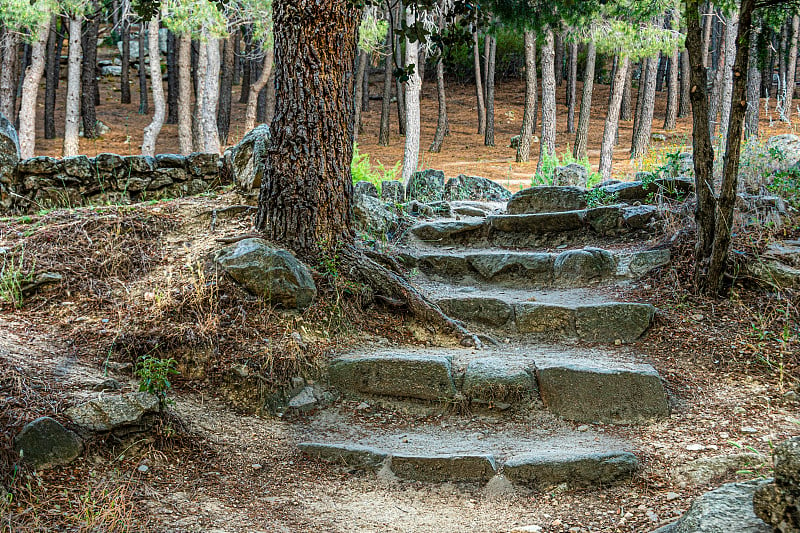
x,y
108,163
576,267
45,443
393,191
39,165
778,503
365,188
112,70
270,273
499,379
612,321
79,166
686,164
546,199
572,174
638,216
787,252
445,230
444,467
202,164
488,311
141,163
171,161
350,455
788,146
774,273
605,220
371,216
534,266
9,157
464,187
545,319
704,470
245,161
426,185
109,412
545,470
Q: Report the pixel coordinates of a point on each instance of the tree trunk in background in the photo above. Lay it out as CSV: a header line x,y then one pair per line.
x,y
547,144
626,108
237,57
581,138
559,59
365,86
198,136
211,98
727,80
784,37
487,44
51,82
662,72
441,123
152,130
488,139
718,80
684,106
572,86
413,88
89,73
226,90
612,119
706,22
246,67
307,189
143,105
255,88
30,90
529,113
791,66
400,87
476,54
172,79
637,112
641,136
73,104
753,85
386,102
671,118
124,80
185,94
8,50
359,93
269,97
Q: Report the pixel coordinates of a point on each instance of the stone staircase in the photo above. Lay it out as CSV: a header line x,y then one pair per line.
x,y
560,348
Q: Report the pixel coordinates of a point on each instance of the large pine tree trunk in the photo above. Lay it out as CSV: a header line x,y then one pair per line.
x,y
51,83
671,118
359,92
612,119
547,146
476,56
753,85
684,106
246,66
89,74
581,137
124,80
571,86
529,113
488,139
641,137
226,90
8,51
172,79
30,90
727,81
306,192
255,88
559,59
413,89
211,98
198,137
626,110
386,102
791,66
73,106
185,94
144,106
152,130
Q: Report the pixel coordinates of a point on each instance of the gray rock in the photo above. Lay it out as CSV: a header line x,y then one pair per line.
x,y
611,321
788,145
141,163
350,455
773,273
421,376
704,470
79,166
172,174
426,186
201,164
638,216
637,264
108,163
445,231
576,267
245,161
605,220
537,223
9,157
445,467
171,161
532,266
371,216
100,128
658,137
724,510
469,209
631,191
686,164
305,400
587,391
44,443
497,379
572,174
444,265
393,192
545,319
464,187
112,70
489,311
546,199
270,273
109,412
365,188
778,503
579,470
39,165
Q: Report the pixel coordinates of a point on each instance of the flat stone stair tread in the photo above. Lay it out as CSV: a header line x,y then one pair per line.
x,y
582,384
549,455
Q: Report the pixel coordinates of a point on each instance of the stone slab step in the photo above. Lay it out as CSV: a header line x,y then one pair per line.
x,y
533,458
570,268
587,385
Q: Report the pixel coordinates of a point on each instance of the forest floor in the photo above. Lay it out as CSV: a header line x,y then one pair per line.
x,y
212,467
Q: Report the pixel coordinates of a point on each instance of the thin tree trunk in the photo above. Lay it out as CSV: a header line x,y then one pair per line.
x,y
198,136
547,145
791,66
727,83
226,90
529,113
478,82
144,108
359,93
386,103
637,112
612,119
753,85
185,94
413,87
571,86
487,45
365,87
73,106
51,82
706,22
441,123
581,138
30,90
152,130
641,138
400,87
246,67
488,139
237,57
89,74
172,79
124,80
626,109
255,89
671,118
8,50
211,98
559,59
661,73
685,106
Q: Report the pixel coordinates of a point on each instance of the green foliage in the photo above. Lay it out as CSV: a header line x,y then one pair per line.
x,y
154,373
458,58
787,186
372,32
200,18
363,170
598,197
26,17
550,162
12,279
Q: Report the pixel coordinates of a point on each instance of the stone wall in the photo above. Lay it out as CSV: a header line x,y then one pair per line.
x,y
44,182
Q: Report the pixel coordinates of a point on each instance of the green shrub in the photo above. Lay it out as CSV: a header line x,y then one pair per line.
x,y
154,373
550,162
12,279
363,170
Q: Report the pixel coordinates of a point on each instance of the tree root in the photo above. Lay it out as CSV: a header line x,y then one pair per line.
x,y
358,266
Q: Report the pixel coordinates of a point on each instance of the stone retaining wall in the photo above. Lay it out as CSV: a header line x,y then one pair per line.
x,y
44,182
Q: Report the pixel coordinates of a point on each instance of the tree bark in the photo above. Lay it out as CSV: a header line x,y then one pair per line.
x,y
226,90
413,88
791,66
144,107
626,109
386,103
8,50
359,93
400,87
529,113
706,22
306,191
365,86
441,123
488,139
671,118
30,90
684,107
52,64
559,59
124,80
152,130
172,79
73,105
89,73
547,145
727,83
478,82
571,86
581,137
185,94
753,85
198,136
661,72
255,89
641,137
211,98
612,119
246,67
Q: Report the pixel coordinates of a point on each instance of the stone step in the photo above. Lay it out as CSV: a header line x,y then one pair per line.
x,y
569,268
527,230
587,385
532,458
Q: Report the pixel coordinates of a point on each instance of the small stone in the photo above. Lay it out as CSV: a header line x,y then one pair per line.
x,y
256,466
363,406
583,428
672,496
143,468
526,529
695,447
697,317
738,410
748,429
